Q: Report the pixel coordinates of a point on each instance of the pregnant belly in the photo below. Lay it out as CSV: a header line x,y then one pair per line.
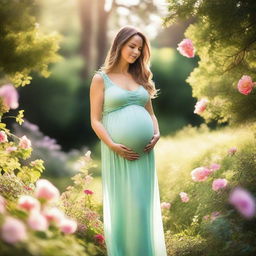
x,y
131,126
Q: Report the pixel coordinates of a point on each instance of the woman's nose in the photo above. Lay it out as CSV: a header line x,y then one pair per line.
x,y
137,51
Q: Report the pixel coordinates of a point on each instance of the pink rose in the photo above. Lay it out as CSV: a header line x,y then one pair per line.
x,y
165,205
54,215
2,205
243,201
232,150
13,230
28,203
184,197
245,85
99,238
186,48
24,142
200,173
219,183
200,106
88,192
37,221
9,95
46,190
214,167
3,137
11,149
68,226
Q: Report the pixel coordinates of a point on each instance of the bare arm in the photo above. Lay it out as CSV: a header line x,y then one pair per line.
x,y
149,108
96,105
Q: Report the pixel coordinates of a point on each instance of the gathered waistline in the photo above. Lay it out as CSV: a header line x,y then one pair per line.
x,y
110,111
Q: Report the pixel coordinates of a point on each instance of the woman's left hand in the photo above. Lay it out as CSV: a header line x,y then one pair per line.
x,y
152,143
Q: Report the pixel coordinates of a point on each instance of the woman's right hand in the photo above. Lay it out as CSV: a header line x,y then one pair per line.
x,y
124,151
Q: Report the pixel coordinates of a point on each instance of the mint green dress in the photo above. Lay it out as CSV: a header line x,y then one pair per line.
x,y
131,203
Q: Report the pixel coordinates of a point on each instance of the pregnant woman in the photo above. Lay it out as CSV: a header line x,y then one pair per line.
x,y
122,116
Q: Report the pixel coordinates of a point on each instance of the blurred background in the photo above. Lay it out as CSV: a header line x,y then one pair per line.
x,y
57,108
59,105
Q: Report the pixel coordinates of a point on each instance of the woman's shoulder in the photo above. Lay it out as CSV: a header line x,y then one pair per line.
x,y
97,79
98,76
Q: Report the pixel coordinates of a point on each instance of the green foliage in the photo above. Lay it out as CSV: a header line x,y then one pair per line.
x,y
228,233
11,187
19,117
184,245
57,162
84,208
174,106
40,246
224,37
31,173
24,48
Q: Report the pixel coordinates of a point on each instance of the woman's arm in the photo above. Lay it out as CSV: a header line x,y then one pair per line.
x,y
156,136
149,108
96,105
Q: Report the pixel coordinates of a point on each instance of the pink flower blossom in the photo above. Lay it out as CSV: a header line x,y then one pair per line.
x,y
10,96
200,106
24,142
186,48
46,190
28,203
68,226
54,215
99,238
206,217
88,192
214,167
184,197
91,215
165,205
243,201
200,173
11,149
232,150
215,215
27,188
219,183
37,221
3,137
245,85
13,230
2,205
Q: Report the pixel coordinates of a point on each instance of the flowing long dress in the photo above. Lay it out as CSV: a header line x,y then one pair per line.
x,y
131,203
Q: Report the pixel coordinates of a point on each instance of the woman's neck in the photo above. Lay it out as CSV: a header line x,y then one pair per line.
x,y
122,67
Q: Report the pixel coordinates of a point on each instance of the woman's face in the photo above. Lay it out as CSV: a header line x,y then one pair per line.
x,y
132,49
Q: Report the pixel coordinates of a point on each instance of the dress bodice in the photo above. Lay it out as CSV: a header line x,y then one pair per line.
x,y
116,97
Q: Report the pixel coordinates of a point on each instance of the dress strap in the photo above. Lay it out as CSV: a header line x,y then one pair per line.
x,y
107,83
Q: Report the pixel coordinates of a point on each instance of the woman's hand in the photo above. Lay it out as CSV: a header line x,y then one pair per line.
x,y
152,143
124,151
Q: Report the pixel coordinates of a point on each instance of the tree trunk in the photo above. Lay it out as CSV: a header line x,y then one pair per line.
x,y
94,34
